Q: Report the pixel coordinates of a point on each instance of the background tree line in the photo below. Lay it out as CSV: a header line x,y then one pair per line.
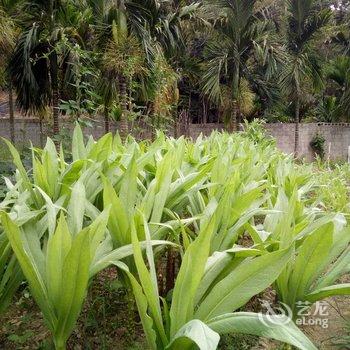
x,y
157,60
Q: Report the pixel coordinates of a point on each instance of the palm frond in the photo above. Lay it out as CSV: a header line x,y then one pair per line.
x,y
217,55
314,23
7,33
29,69
300,10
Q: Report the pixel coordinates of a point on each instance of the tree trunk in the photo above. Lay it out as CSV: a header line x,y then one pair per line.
x,y
233,120
235,91
55,94
205,111
41,131
296,131
106,118
54,77
124,126
12,114
175,130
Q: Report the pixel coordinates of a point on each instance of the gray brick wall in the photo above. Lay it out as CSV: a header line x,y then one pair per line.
x,y
337,135
337,138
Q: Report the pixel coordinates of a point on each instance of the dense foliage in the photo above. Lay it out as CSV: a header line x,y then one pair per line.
x,y
131,204
194,229
217,60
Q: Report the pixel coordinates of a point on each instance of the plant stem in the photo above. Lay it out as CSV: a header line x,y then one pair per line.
x,y
12,114
60,344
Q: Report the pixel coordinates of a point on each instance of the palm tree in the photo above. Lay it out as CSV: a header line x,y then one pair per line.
x,y
122,60
304,21
239,33
34,65
113,27
130,51
7,44
167,24
339,72
122,57
164,21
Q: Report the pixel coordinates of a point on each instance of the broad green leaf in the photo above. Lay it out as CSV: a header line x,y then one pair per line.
x,y
149,286
18,163
339,267
194,332
309,262
128,190
29,268
58,246
219,262
249,278
142,305
101,149
118,223
163,178
50,163
75,272
78,147
9,283
188,279
277,327
51,210
319,294
121,253
76,208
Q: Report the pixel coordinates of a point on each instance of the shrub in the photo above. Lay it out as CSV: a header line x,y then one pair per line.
x,y
120,203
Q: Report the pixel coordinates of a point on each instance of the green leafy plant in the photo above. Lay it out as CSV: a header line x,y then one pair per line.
x,y
322,257
58,276
255,131
199,199
207,290
318,145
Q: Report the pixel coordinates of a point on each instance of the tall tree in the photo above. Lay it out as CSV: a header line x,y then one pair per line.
x,y
122,60
240,33
35,66
8,34
121,54
131,51
304,21
339,72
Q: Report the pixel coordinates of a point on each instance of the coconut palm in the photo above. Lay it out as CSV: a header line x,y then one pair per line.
x,y
339,72
240,32
8,33
327,110
164,21
168,23
118,28
304,21
141,30
122,61
35,64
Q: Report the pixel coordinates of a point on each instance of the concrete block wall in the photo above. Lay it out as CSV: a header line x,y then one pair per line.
x,y
337,138
206,129
337,135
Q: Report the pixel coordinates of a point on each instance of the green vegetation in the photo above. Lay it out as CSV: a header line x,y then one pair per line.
x,y
317,145
144,206
170,243
153,61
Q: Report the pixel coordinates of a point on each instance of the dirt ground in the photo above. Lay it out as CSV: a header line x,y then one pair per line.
x,y
338,330
107,323
328,338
